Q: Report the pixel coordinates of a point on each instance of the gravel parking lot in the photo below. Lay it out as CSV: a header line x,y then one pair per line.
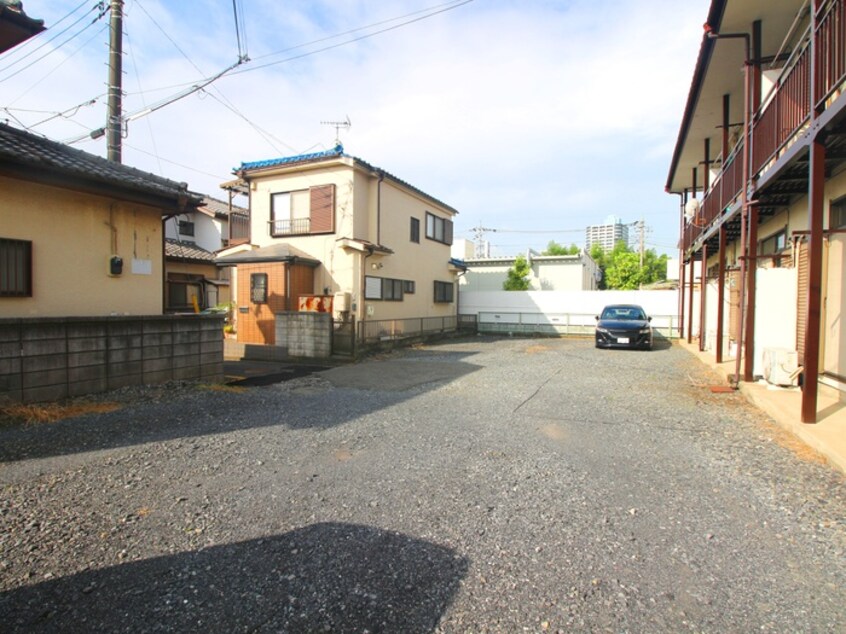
x,y
479,485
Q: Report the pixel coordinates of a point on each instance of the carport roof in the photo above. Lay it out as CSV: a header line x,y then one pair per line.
x,y
272,253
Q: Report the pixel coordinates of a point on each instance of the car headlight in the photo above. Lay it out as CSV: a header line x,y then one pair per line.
x,y
604,331
645,331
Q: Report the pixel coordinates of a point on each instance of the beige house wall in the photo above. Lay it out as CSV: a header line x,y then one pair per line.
x,y
365,210
73,236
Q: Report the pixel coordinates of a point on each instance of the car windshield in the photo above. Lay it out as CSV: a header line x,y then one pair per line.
x,y
623,313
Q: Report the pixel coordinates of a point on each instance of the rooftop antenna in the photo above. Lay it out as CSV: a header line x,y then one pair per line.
x,y
345,124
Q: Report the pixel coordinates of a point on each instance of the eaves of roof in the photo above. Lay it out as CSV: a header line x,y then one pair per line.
x,y
254,167
30,157
187,252
706,48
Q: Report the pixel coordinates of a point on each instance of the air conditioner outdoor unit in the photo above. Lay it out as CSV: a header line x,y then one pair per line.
x,y
780,365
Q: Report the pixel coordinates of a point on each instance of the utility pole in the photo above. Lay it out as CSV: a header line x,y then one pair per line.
x,y
113,124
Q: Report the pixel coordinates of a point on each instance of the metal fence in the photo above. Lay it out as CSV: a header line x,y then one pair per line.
x,y
394,329
557,324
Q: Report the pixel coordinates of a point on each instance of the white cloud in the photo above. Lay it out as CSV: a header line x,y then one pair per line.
x,y
539,115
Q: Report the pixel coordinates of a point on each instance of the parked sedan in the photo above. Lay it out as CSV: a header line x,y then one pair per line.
x,y
623,326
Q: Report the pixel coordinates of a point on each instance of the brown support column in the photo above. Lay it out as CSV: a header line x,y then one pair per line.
x,y
690,299
703,286
726,124
814,299
751,273
682,203
706,172
816,192
681,300
721,292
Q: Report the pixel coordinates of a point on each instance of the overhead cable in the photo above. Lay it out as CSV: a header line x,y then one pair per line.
x,y
52,50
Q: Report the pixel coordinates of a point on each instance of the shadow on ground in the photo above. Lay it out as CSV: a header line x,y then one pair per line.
x,y
346,393
325,577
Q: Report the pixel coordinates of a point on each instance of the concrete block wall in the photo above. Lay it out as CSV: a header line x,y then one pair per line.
x,y
304,334
46,359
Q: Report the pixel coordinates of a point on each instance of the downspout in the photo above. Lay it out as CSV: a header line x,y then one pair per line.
x,y
362,311
381,175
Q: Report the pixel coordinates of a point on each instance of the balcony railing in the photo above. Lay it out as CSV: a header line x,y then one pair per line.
x,y
239,229
785,113
290,227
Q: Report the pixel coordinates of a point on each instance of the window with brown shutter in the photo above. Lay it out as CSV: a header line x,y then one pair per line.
x,y
322,209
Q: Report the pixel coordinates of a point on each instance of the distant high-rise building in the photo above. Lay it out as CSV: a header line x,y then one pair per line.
x,y
608,234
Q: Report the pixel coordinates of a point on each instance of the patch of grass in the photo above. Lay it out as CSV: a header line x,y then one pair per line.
x,y
36,413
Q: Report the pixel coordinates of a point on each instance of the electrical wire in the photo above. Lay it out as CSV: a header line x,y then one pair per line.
x,y
52,50
21,47
59,65
352,40
430,12
440,8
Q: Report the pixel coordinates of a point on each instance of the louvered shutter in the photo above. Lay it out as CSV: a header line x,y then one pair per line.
x,y
448,232
322,209
802,266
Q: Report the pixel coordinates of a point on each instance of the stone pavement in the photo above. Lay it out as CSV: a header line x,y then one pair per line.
x,y
784,405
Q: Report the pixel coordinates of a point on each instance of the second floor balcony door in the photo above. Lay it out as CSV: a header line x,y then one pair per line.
x,y
290,213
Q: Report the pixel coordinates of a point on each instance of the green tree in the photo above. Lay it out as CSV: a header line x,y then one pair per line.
x,y
553,248
518,276
622,269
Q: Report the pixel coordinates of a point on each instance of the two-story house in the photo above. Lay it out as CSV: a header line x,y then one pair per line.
x,y
332,225
759,170
192,240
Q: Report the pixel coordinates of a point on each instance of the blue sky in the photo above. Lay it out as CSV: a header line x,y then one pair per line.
x,y
535,118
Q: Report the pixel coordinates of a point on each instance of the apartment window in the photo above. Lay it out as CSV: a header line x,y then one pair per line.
x,y
438,229
837,217
408,287
384,288
258,288
415,230
15,268
773,244
186,228
444,292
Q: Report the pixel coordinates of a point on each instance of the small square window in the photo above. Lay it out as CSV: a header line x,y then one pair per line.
x,y
408,287
258,288
15,268
444,293
186,228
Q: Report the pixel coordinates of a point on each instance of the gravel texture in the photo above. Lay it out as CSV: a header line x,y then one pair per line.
x,y
480,485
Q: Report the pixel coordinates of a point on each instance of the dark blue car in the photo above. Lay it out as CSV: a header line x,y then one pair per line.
x,y
623,326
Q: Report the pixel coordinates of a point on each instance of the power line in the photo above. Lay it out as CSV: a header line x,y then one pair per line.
x,y
52,50
352,40
21,47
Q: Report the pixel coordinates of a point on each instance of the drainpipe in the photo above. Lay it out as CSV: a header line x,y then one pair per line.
x,y
381,176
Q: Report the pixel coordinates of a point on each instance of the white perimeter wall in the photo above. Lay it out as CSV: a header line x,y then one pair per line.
x,y
663,304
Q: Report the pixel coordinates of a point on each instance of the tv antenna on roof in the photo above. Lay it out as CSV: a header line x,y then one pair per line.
x,y
345,124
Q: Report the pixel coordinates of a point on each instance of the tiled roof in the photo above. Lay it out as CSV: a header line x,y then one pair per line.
x,y
220,208
187,252
23,149
336,152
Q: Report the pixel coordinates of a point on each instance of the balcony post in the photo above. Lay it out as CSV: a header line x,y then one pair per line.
x,y
690,299
721,292
703,288
751,272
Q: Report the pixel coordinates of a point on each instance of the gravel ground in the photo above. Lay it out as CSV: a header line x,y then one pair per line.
x,y
481,485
